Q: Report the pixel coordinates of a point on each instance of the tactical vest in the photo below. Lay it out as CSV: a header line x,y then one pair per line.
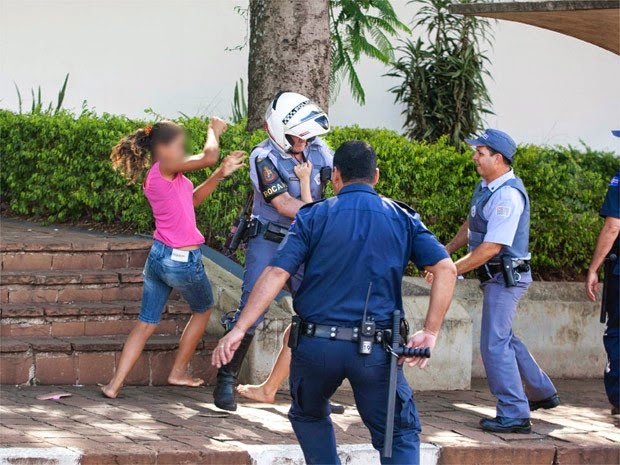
x,y
317,152
478,223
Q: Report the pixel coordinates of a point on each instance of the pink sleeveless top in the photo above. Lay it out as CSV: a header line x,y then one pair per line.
x,y
173,209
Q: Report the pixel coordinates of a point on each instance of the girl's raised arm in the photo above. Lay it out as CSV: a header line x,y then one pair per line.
x,y
229,165
209,156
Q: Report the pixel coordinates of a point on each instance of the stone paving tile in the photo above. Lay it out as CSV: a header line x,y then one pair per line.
x,y
161,423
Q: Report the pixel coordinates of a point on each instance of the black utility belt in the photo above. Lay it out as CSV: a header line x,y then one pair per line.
x,y
271,231
510,268
341,333
365,335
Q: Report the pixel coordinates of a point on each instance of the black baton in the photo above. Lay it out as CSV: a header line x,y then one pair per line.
x,y
610,261
396,350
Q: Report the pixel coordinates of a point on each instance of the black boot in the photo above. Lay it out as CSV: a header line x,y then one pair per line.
x,y
224,394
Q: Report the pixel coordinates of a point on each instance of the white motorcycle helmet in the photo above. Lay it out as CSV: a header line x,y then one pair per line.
x,y
292,114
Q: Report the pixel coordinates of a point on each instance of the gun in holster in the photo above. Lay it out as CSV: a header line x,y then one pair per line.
x,y
511,276
396,349
610,262
510,268
239,229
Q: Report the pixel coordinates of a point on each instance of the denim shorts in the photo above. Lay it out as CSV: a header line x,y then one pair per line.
x,y
162,273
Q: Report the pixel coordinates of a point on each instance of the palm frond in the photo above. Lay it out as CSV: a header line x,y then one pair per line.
x,y
360,28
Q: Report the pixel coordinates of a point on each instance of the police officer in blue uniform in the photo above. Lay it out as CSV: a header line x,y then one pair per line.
x,y
607,251
355,247
497,235
293,123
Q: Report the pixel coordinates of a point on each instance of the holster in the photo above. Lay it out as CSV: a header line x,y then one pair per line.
x,y
511,277
271,231
293,338
275,232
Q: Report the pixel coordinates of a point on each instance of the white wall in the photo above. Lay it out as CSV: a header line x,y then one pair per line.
x,y
128,55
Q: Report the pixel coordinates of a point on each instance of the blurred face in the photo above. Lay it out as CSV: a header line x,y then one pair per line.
x,y
298,145
487,162
172,151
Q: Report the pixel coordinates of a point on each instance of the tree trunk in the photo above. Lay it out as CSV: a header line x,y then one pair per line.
x,y
289,50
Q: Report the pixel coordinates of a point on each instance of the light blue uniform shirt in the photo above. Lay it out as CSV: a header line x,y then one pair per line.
x,y
503,211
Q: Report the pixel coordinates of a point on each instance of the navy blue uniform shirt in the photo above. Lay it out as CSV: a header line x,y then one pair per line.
x,y
346,242
611,207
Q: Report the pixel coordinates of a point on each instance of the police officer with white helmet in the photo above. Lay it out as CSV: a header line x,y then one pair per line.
x,y
293,123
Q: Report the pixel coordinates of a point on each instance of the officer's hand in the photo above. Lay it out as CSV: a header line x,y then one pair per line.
x,y
223,353
429,277
232,162
592,285
218,125
420,339
303,171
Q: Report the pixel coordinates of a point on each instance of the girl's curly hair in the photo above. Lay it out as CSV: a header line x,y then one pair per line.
x,y
132,154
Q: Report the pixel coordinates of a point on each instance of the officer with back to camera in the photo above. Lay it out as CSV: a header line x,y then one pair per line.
x,y
497,235
356,247
607,251
293,123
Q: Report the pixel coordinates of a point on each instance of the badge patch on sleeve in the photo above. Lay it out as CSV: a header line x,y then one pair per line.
x,y
268,174
503,211
614,181
269,180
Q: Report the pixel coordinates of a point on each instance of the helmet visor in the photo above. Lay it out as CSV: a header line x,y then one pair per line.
x,y
323,122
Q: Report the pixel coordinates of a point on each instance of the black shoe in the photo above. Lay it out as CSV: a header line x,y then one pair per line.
x,y
224,393
506,425
615,410
548,403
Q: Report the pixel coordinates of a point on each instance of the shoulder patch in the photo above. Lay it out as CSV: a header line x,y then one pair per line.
x,y
503,211
270,182
614,181
267,173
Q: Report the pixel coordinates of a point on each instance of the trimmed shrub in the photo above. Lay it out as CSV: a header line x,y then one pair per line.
x,y
56,168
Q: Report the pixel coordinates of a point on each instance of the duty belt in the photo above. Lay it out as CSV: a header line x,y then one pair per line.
x,y
271,231
340,333
488,270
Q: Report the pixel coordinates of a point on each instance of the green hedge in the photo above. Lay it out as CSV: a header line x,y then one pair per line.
x,y
56,169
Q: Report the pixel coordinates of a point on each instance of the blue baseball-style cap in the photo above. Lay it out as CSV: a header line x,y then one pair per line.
x,y
497,140
616,132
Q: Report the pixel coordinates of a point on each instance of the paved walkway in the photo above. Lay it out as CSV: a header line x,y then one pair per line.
x,y
170,425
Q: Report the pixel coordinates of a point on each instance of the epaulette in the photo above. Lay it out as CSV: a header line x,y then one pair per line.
x,y
309,205
409,209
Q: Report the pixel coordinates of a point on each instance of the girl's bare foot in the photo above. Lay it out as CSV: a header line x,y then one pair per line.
x,y
109,392
257,393
183,379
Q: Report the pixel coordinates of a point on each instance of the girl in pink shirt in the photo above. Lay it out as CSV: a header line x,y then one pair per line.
x,y
175,260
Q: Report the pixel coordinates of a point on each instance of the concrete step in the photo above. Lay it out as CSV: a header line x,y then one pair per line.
x,y
93,359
